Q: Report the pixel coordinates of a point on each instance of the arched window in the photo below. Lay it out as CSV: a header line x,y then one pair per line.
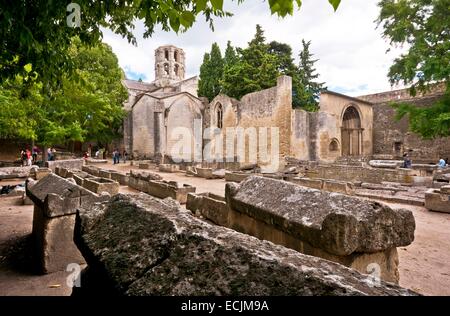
x,y
219,115
177,68
175,56
166,69
334,146
166,54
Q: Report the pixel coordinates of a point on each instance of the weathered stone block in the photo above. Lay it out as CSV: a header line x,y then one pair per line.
x,y
119,177
91,170
208,173
437,201
100,185
145,246
333,226
164,189
68,164
337,186
210,206
170,168
55,203
144,166
445,189
14,172
106,174
236,176
307,182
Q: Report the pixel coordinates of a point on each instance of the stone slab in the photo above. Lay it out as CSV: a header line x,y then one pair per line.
x,y
336,223
145,246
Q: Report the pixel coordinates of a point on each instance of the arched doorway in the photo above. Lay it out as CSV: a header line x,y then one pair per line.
x,y
351,133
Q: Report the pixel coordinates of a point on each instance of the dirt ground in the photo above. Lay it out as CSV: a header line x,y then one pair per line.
x,y
424,265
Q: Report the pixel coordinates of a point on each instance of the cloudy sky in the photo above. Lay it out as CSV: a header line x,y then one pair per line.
x,y
351,52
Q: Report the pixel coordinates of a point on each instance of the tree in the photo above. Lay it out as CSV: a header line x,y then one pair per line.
x,y
87,107
255,70
230,57
308,96
424,26
38,33
211,72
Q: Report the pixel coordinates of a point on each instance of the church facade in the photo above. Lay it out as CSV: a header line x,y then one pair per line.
x,y
155,109
343,127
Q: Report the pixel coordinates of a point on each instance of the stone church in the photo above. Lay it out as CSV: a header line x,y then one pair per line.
x,y
156,108
344,127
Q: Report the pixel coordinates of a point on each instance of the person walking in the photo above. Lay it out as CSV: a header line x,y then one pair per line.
x,y
125,156
114,155
23,157
28,153
34,153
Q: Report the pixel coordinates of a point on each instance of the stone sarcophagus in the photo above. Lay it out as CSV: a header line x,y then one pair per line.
x,y
152,184
169,168
357,233
55,203
438,200
141,245
101,185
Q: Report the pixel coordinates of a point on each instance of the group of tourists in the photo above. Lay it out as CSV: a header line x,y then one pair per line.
x,y
30,157
116,156
407,163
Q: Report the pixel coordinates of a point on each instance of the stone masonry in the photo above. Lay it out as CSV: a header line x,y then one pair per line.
x,y
146,246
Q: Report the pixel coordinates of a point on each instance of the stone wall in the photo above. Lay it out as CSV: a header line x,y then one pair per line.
x,y
257,113
392,137
363,174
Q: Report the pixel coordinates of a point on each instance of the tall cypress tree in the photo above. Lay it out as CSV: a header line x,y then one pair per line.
x,y
256,69
211,72
230,57
309,97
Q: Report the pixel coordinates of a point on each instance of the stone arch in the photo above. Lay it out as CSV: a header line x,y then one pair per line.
x,y
333,146
177,70
166,54
175,56
166,69
351,131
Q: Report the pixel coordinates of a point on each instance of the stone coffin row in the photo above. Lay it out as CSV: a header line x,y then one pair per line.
x,y
141,245
341,228
154,185
55,203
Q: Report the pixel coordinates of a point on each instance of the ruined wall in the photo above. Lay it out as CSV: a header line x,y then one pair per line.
x,y
300,137
255,113
392,137
181,113
143,127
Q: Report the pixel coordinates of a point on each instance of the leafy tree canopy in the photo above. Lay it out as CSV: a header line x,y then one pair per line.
x,y
37,32
88,106
423,26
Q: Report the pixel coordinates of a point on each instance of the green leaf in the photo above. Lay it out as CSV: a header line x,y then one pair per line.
x,y
28,68
201,5
187,19
335,3
217,4
174,21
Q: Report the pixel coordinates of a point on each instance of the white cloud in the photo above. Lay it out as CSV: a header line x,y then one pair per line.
x,y
351,52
